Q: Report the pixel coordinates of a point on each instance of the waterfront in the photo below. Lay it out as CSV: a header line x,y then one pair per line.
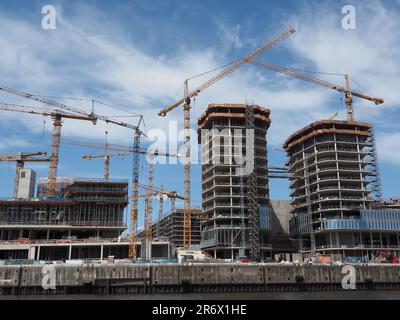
x,y
315,295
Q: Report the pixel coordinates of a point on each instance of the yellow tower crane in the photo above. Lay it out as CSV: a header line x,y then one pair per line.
x,y
187,95
57,117
346,90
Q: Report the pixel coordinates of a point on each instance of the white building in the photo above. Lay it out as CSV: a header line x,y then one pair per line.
x,y
26,186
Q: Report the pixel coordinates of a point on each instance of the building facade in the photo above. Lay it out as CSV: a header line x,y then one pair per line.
x,y
335,187
26,184
235,206
87,208
280,235
170,228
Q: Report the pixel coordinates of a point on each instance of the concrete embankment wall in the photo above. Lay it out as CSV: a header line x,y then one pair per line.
x,y
191,278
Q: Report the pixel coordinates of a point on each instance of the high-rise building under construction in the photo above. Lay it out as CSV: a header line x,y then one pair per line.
x,y
235,194
336,191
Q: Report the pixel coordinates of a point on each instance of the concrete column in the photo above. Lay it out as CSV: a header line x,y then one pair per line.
x,y
70,252
31,252
48,234
101,251
38,253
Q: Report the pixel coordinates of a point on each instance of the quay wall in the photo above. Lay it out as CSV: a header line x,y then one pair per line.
x,y
182,278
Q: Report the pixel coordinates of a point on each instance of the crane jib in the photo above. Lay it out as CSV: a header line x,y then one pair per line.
x,y
228,70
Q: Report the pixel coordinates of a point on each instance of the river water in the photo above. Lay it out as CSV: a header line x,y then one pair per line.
x,y
325,295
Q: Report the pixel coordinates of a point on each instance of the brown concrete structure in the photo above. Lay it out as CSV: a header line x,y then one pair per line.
x,y
335,178
221,135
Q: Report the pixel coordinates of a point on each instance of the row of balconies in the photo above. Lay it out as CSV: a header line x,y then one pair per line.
x,y
303,204
331,208
361,144
326,163
339,158
333,181
330,190
358,177
263,188
225,176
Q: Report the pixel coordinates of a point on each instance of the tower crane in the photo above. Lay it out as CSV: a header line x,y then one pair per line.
x,y
126,152
137,133
172,195
346,90
20,159
148,200
57,117
160,193
187,95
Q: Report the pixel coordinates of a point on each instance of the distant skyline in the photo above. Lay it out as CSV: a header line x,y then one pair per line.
x,y
135,55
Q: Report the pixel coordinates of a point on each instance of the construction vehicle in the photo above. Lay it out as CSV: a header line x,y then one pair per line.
x,y
64,111
186,100
346,90
20,159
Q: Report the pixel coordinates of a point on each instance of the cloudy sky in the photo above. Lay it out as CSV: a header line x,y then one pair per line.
x,y
134,56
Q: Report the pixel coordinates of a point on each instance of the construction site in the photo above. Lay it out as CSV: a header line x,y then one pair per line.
x,y
336,210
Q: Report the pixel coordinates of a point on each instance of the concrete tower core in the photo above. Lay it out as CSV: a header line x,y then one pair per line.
x,y
221,132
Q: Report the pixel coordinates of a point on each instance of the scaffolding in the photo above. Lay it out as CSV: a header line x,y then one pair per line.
x,y
376,182
252,197
84,205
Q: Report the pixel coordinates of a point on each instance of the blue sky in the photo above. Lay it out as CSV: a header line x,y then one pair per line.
x,y
134,55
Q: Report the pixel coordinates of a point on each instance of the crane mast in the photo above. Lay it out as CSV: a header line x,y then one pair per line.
x,y
106,159
148,227
186,170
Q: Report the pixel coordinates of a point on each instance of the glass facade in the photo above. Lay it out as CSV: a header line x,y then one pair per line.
x,y
370,219
265,215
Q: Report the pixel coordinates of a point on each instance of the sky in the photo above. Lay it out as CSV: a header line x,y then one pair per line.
x,y
135,55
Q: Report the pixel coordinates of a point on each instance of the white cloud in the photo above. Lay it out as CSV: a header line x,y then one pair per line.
x,y
388,144
230,34
86,57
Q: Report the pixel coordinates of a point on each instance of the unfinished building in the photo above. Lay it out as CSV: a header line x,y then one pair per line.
x,y
335,187
235,206
85,208
170,228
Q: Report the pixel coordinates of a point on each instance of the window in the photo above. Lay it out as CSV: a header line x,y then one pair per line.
x,y
23,173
